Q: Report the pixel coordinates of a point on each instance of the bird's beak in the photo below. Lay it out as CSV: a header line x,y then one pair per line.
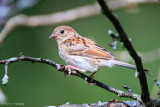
x,y
53,36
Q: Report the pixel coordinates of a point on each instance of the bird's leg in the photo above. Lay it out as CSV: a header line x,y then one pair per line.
x,y
92,77
73,67
69,69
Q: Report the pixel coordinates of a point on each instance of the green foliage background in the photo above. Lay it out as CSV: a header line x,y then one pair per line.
x,y
36,84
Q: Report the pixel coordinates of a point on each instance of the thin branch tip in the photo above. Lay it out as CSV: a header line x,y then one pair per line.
x,y
5,80
21,54
157,83
128,88
115,39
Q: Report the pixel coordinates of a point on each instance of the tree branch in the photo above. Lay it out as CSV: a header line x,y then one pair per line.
x,y
61,17
62,68
112,103
156,87
34,21
145,95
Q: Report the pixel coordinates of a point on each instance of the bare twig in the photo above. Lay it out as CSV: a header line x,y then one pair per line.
x,y
145,95
5,78
115,38
61,17
62,68
157,82
109,88
156,90
112,103
128,88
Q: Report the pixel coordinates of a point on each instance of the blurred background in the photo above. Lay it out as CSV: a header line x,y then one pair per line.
x,y
36,84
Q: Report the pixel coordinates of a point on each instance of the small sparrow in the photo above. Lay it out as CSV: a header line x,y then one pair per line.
x,y
83,54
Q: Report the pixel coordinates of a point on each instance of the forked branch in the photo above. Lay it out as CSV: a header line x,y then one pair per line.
x,y
145,95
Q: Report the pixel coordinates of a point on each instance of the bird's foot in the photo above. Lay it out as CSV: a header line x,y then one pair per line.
x,y
92,78
69,69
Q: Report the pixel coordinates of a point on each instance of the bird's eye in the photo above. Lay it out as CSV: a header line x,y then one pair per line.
x,y
62,31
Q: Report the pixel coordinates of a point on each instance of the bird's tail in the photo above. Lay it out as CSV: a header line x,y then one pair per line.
x,y
124,64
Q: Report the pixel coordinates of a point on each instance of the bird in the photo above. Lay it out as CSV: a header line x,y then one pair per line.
x,y
83,54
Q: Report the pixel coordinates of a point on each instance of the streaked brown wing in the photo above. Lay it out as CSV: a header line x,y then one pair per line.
x,y
81,46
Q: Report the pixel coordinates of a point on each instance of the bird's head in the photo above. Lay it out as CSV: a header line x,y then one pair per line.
x,y
62,33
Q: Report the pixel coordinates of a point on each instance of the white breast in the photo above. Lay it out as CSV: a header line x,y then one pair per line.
x,y
83,63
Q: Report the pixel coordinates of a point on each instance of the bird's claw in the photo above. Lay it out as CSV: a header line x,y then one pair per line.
x,y
92,77
69,69
89,82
